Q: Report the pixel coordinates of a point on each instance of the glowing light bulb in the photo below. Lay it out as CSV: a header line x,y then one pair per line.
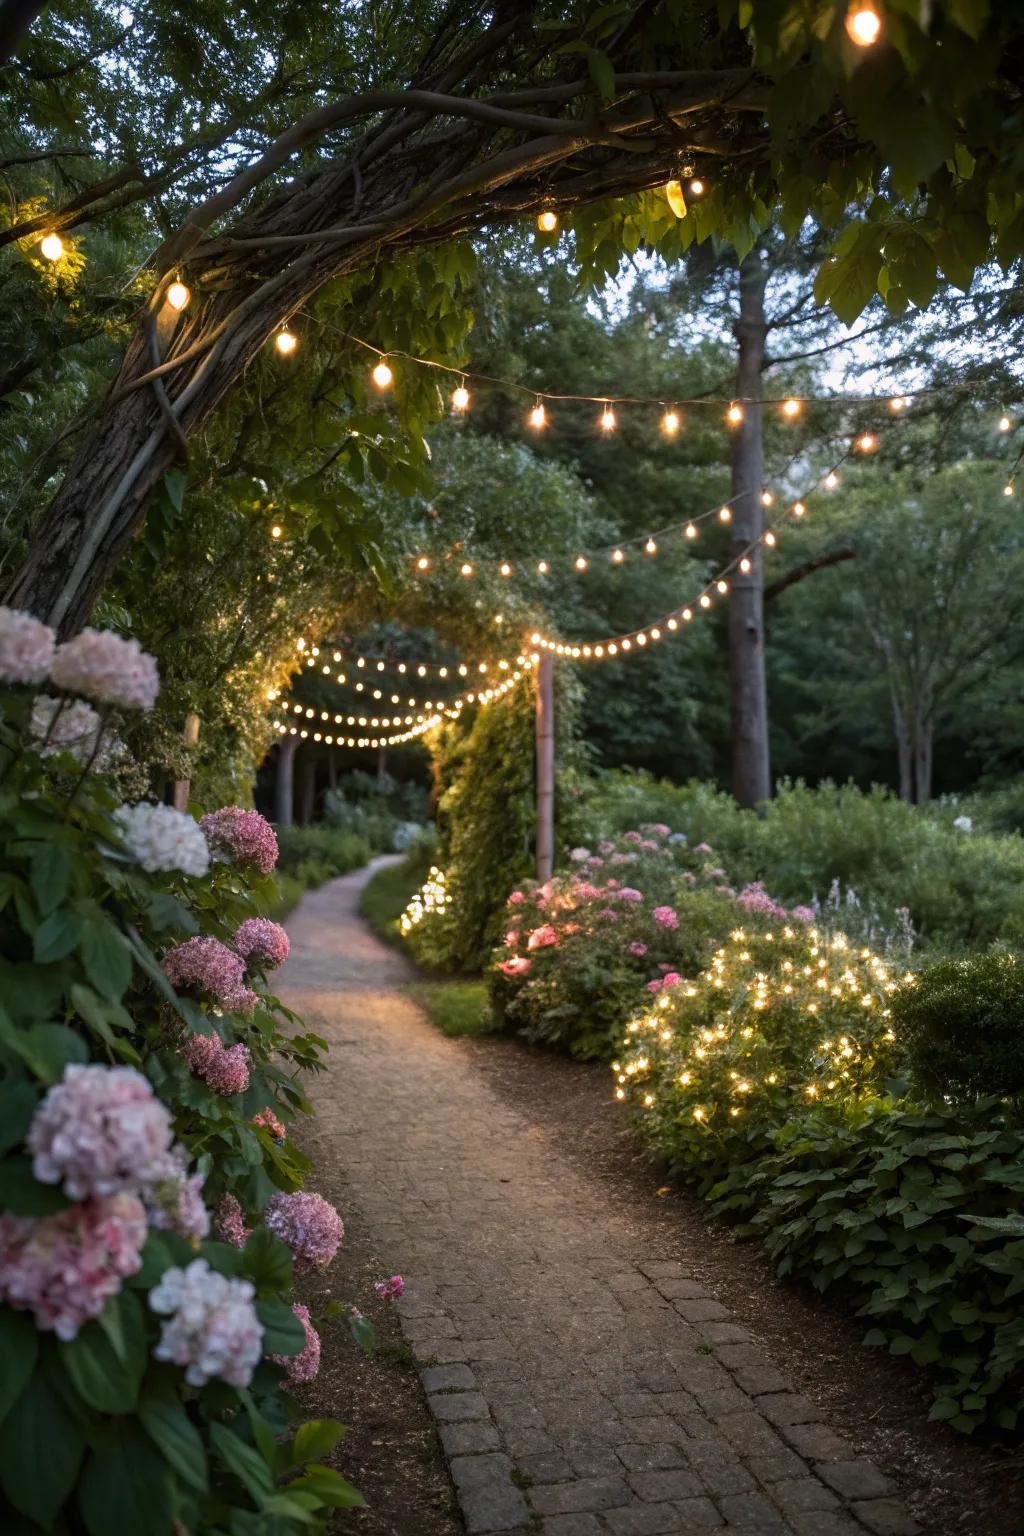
x,y
1008,488
744,565
505,568
770,539
52,247
466,570
547,221
382,375
697,187
607,420
581,562
539,416
276,531
691,531
670,423
897,404
867,442
460,398
542,568
831,481
722,586
285,341
178,294
799,509
705,601
863,23
767,499
791,408
1005,423
650,547
725,515
618,556
734,415
423,564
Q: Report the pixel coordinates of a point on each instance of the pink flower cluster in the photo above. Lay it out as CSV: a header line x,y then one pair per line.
x,y
27,647
269,1122
241,837
175,1201
390,1290
629,893
656,829
209,967
518,965
103,666
229,1223
542,937
755,899
211,1328
309,1225
65,1268
516,899
262,942
224,1069
304,1366
99,1131
638,948
665,917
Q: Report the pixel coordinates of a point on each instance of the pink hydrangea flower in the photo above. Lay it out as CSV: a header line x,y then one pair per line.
x,y
671,979
211,1327
27,647
703,848
262,942
606,847
206,965
638,948
305,1365
309,1225
174,1201
656,829
584,891
623,858
804,914
631,837
609,914
269,1121
595,863
665,917
390,1290
225,1070
754,898
612,885
99,1131
241,837
517,966
516,899
655,985
103,666
229,1223
542,937
65,1268
629,893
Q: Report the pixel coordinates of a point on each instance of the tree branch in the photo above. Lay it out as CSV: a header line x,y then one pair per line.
x,y
807,568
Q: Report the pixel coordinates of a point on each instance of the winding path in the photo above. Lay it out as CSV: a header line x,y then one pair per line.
x,y
582,1385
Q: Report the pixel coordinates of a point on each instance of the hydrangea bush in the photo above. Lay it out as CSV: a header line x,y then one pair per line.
x,y
148,1078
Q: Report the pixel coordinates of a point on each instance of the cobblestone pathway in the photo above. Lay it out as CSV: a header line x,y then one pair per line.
x,y
581,1385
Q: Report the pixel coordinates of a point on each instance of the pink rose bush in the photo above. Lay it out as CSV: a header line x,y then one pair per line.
x,y
240,837
308,1224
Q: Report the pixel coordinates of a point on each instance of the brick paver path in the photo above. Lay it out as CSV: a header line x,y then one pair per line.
x,y
582,1385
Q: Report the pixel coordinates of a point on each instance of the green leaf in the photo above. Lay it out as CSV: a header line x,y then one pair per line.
x,y
40,1452
267,1262
106,957
848,279
283,1333
49,875
602,72
48,1048
22,1194
244,1461
166,1421
329,1486
19,1347
17,1106
107,1364
55,937
127,1486
316,1438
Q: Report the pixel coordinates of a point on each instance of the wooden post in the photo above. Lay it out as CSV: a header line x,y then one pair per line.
x,y
190,735
284,796
751,772
545,767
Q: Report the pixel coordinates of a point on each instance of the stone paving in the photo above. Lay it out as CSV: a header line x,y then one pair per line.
x,y
581,1385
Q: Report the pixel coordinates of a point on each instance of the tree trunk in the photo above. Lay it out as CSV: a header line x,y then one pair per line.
x,y
904,752
284,793
751,771
923,755
545,767
307,788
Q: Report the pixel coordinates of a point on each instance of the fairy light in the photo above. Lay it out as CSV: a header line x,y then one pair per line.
x,y
867,442
581,562
505,569
538,416
791,408
650,547
52,246
276,531
898,404
863,23
831,480
767,499
697,187
734,415
466,569
542,568
617,556
1005,423
547,221
725,515
460,397
691,531
285,341
178,295
798,509
423,563
1008,488
745,565
671,422
382,375
606,421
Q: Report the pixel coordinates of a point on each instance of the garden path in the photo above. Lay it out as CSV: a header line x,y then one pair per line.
x,y
582,1384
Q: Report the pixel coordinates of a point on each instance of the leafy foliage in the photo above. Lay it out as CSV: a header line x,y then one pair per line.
x,y
962,1027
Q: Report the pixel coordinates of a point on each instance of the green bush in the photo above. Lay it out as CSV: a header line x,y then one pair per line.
x,y
319,853
458,1008
961,1024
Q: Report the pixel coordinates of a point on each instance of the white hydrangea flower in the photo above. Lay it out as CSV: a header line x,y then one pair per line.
x,y
57,726
580,855
963,824
211,1328
160,837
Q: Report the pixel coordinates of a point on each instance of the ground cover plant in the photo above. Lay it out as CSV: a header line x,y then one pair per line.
x,y
152,1209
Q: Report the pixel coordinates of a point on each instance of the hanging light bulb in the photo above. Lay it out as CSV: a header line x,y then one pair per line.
x,y
723,586
466,570
618,556
691,531
607,419
542,568
178,294
725,515
863,23
285,341
538,416
791,408
581,562
505,568
423,564
769,539
1005,423
799,509
705,601
650,547
52,247
675,199
767,499
276,531
897,404
382,375
744,565
671,422
460,397
831,480
696,187
547,221
734,415
867,442
1008,488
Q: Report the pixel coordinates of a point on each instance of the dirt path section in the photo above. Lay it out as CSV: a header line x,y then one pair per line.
x,y
585,1376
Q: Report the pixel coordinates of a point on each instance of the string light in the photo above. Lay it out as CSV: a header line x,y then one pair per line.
x,y
607,419
538,416
831,480
52,247
460,398
867,442
285,341
423,564
691,531
725,515
542,568
581,562
382,375
1008,488
466,569
898,403
505,568
697,187
1005,423
178,295
863,23
670,423
767,499
618,556
547,221
650,547
791,408
798,509
276,531
734,415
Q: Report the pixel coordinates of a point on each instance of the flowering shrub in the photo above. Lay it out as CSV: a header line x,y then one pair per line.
x,y
147,1078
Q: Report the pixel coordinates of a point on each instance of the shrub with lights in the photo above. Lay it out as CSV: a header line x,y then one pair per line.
x,y
151,1209
782,1018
